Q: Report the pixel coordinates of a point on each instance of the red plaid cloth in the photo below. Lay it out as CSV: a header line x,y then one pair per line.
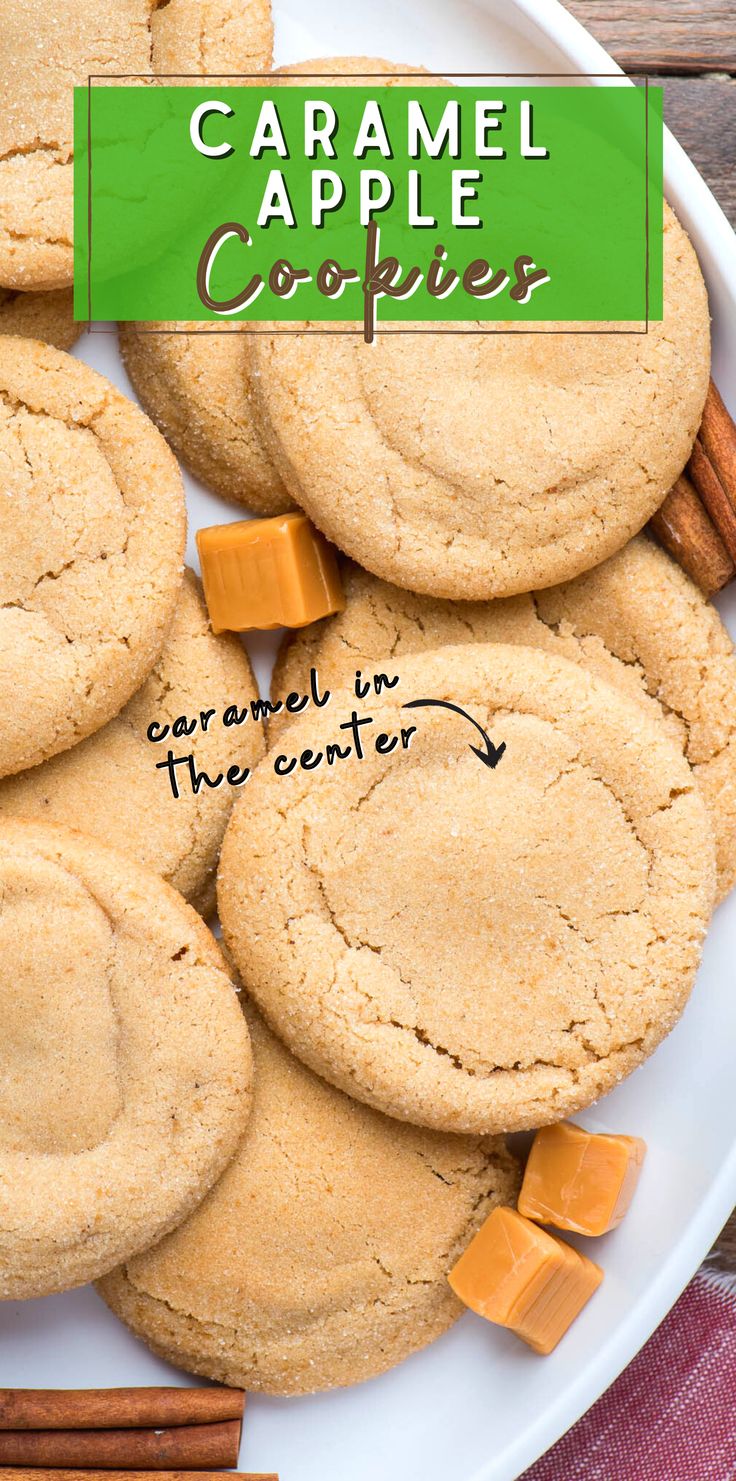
x,y
671,1415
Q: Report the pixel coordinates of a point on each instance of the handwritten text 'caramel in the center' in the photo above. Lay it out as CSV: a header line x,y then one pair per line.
x,y
184,772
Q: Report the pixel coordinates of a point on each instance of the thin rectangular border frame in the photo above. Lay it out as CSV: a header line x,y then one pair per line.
x,y
244,326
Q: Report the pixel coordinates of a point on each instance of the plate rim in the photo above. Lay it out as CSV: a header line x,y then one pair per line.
x,y
683,182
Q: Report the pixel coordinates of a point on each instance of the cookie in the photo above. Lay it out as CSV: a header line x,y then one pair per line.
x,y
46,316
321,1256
485,465
470,948
109,783
222,37
36,101
197,389
198,386
353,71
636,620
125,1067
92,529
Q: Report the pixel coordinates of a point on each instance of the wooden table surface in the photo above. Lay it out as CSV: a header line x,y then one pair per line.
x,y
689,46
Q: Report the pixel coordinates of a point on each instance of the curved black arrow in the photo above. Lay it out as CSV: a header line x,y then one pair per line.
x,y
489,754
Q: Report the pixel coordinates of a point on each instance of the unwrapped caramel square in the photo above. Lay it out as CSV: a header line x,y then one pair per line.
x,y
578,1180
519,1276
265,573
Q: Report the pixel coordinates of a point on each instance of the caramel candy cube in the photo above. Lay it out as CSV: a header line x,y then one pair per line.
x,y
519,1276
264,573
579,1181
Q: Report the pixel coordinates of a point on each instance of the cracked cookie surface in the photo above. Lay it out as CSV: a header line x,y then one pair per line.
x,y
110,782
92,527
198,391
321,1256
198,387
486,465
636,620
470,949
125,1067
69,43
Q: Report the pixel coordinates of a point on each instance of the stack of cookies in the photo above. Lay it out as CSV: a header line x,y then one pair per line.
x,y
270,1185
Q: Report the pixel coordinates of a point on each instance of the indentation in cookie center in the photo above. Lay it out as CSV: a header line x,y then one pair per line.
x,y
449,876
59,1086
56,481
419,393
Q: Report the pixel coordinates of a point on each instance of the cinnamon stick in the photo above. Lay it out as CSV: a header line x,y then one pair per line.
x,y
116,1408
192,1447
718,437
24,1473
713,496
684,528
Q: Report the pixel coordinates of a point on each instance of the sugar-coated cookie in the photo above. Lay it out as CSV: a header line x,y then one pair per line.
x,y
222,37
109,784
636,620
321,1256
47,50
197,386
470,948
197,389
483,465
46,316
92,528
125,1067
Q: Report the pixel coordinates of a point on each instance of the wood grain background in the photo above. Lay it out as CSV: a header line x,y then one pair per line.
x,y
690,47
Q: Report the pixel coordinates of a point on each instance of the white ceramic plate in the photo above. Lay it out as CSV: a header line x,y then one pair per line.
x,y
478,1406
